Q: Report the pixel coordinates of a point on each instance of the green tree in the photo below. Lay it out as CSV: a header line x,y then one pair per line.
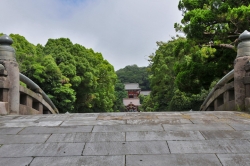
x,y
212,28
75,78
167,63
120,93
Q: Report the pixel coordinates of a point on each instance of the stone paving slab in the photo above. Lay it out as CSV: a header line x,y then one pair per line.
x,y
53,119
80,161
85,114
234,159
81,118
226,134
123,128
56,130
7,130
126,139
159,121
236,115
87,137
210,146
93,122
222,120
164,135
198,116
195,127
23,139
122,148
173,159
126,117
19,120
240,126
154,113
47,149
27,124
24,161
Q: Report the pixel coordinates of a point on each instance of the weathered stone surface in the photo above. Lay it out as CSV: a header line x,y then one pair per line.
x,y
26,124
85,114
164,135
240,126
194,127
20,120
123,128
93,122
81,118
126,117
222,120
23,139
113,114
234,159
229,114
56,130
122,148
87,137
210,146
159,121
12,130
80,161
24,161
47,149
173,159
226,134
62,118
4,108
166,138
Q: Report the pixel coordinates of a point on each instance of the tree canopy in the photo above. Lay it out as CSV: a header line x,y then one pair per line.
x,y
212,28
184,69
75,78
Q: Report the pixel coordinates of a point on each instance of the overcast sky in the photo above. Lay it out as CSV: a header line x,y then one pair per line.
x,y
124,31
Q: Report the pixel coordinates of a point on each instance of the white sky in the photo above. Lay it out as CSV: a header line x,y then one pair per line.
x,y
124,31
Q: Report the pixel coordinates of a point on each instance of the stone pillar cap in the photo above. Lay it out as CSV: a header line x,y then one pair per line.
x,y
5,40
244,36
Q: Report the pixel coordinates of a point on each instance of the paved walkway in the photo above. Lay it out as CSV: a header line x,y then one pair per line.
x,y
126,139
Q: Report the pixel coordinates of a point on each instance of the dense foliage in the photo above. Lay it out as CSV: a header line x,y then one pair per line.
x,y
75,78
212,28
165,94
184,69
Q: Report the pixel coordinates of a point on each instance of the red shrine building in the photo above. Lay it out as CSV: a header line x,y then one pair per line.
x,y
132,101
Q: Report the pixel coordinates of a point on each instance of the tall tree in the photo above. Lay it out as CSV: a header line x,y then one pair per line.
x,y
165,94
75,78
212,28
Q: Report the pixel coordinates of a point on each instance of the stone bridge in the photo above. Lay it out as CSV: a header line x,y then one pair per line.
x,y
216,138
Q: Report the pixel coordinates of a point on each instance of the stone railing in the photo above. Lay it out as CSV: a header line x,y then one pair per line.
x,y
16,99
232,92
221,97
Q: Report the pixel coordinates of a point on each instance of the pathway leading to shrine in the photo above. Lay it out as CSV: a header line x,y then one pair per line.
x,y
126,139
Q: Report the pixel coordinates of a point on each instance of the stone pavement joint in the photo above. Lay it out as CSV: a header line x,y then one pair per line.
x,y
126,139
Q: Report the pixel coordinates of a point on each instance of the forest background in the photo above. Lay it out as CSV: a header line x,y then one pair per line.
x,y
180,73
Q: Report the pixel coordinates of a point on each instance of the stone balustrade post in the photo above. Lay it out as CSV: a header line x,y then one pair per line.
x,y
240,73
9,64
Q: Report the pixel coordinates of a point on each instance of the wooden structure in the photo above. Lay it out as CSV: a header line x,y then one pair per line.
x,y
132,101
